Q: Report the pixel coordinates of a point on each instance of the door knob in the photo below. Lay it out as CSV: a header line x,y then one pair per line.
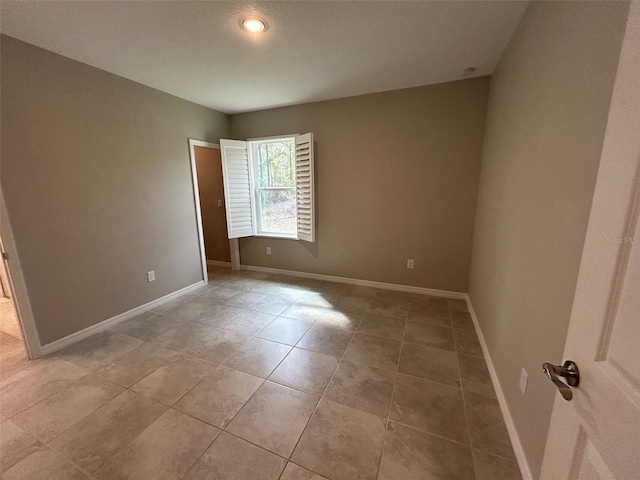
x,y
569,371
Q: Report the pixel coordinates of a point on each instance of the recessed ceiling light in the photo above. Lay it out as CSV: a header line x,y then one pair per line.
x,y
253,25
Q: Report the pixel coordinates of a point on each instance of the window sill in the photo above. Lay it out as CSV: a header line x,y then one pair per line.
x,y
283,236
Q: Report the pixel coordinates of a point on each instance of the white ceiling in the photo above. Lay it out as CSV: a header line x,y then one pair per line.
x,y
312,50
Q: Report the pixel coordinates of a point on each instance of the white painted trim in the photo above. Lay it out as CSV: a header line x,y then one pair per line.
x,y
274,138
202,143
196,198
508,420
218,263
110,322
18,287
234,248
356,281
280,236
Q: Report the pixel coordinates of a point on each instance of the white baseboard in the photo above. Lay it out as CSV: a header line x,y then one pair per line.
x,y
508,420
110,322
356,281
218,263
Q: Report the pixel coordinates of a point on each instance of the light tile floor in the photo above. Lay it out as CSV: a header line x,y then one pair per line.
x,y
261,377
8,318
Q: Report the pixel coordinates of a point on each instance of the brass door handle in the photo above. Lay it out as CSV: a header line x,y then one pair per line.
x,y
569,371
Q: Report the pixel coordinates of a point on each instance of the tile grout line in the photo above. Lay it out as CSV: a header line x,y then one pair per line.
x,y
264,380
201,455
393,391
395,381
466,416
431,434
198,383
464,403
221,364
168,406
46,445
479,394
89,372
322,396
48,396
82,418
218,365
78,467
224,429
253,336
395,372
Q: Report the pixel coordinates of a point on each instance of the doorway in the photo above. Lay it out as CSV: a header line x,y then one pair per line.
x,y
9,323
12,346
206,163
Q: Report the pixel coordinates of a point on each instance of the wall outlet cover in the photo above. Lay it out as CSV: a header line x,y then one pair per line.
x,y
151,276
410,263
268,250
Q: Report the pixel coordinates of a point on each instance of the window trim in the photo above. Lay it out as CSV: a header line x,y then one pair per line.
x,y
253,159
274,138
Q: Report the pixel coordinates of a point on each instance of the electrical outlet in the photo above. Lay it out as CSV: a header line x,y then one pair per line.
x,y
410,263
151,276
524,378
268,250
219,203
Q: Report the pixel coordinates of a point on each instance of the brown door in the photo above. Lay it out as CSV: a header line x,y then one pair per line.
x,y
214,220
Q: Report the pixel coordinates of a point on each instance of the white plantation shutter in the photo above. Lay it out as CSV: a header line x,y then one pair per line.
x,y
238,178
305,194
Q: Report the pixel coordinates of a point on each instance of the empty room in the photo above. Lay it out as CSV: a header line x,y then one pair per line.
x,y
320,240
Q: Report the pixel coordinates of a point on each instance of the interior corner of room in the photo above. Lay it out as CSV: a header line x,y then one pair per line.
x,y
114,199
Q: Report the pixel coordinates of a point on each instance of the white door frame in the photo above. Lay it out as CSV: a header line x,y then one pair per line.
x,y
18,287
233,243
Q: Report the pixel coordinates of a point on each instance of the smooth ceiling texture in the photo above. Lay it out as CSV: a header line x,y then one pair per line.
x,y
311,51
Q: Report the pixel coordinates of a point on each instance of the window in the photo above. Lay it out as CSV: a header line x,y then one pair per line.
x,y
275,190
269,187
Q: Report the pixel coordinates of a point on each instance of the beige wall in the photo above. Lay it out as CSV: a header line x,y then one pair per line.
x,y
211,190
397,177
97,182
545,126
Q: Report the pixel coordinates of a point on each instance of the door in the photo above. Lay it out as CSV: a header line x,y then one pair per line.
x,y
5,291
596,435
9,322
211,194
